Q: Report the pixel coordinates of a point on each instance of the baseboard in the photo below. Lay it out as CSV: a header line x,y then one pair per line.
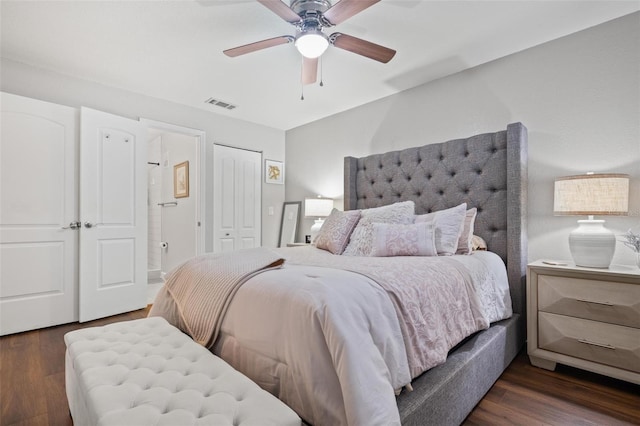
x,y
154,274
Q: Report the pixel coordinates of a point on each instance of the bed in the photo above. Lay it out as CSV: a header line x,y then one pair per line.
x,y
446,394
350,361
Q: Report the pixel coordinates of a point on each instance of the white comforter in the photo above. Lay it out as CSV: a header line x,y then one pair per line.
x,y
334,344
331,349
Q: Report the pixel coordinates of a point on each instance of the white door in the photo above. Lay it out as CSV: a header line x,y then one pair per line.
x,y
113,212
237,198
38,249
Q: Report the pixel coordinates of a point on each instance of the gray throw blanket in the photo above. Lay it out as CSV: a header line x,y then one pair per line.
x,y
204,286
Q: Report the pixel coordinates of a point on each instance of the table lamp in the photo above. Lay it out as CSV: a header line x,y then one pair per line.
x,y
591,244
318,208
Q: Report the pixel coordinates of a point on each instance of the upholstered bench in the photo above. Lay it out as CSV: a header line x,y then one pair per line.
x,y
147,372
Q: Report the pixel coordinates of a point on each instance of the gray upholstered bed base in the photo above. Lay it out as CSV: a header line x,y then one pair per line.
x,y
487,171
446,394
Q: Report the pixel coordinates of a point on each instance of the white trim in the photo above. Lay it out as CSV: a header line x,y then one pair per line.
x,y
237,147
153,274
200,172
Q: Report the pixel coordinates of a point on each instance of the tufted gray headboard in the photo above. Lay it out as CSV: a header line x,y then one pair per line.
x,y
487,171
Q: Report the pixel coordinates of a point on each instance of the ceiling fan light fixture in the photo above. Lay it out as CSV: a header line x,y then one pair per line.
x,y
312,44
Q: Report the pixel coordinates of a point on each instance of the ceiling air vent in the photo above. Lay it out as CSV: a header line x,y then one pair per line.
x,y
221,104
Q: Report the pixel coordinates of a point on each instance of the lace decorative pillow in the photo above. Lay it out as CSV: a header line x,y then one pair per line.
x,y
336,230
416,239
360,243
447,226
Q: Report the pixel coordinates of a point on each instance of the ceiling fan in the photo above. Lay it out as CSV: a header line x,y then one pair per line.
x,y
310,17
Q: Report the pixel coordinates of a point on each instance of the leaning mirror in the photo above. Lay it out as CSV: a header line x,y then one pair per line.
x,y
289,223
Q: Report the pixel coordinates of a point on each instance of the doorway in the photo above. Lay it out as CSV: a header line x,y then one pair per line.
x,y
174,214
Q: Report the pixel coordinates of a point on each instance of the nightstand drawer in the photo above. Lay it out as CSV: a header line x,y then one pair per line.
x,y
608,344
611,302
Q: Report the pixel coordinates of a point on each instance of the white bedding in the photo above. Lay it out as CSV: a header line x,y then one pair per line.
x,y
334,345
257,334
291,344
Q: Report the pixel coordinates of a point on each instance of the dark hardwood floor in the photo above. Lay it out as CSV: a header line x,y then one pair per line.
x,y
32,388
32,374
527,395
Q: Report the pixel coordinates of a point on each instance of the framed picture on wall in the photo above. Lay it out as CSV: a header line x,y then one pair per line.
x,y
274,172
181,180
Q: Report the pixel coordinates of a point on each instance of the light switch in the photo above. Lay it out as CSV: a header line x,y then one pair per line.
x,y
270,211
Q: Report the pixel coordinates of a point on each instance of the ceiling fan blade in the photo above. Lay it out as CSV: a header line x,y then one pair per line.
x,y
362,47
345,9
309,70
258,45
281,9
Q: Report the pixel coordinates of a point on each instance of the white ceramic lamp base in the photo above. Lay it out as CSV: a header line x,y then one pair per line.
x,y
591,244
315,229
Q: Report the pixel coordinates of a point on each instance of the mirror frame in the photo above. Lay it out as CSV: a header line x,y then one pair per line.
x,y
296,221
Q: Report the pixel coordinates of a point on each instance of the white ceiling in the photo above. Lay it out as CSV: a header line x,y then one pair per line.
x,y
173,49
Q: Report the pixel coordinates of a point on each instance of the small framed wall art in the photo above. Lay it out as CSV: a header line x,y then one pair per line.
x,y
181,180
274,172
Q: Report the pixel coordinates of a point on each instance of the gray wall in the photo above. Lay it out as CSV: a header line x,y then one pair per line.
x,y
24,80
579,96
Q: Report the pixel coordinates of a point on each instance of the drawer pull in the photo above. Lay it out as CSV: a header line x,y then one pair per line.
x,y
595,303
600,345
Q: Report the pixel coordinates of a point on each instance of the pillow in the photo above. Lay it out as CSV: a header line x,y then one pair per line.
x,y
464,242
360,241
478,243
447,226
336,230
415,239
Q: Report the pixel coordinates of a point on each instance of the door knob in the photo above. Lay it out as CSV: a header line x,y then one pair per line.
x,y
72,225
88,225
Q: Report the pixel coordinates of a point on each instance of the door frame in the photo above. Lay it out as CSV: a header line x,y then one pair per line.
x,y
201,158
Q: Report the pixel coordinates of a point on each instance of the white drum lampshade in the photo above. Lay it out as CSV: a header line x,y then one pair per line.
x,y
591,244
318,208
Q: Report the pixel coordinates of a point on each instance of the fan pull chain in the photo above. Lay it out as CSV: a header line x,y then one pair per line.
x,y
302,79
321,83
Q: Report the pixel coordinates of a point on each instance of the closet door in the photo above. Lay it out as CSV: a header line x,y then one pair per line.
x,y
113,212
38,203
237,199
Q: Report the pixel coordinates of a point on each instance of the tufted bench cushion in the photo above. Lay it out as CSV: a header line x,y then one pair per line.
x,y
147,372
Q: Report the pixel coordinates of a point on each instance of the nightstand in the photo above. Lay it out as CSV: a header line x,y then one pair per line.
x,y
297,244
586,318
